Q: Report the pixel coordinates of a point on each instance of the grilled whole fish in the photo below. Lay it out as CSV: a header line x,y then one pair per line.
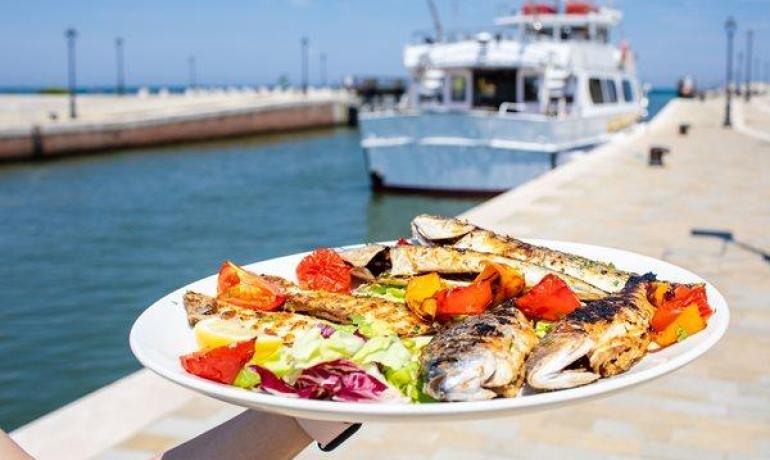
x,y
602,339
278,323
431,229
414,260
343,308
479,358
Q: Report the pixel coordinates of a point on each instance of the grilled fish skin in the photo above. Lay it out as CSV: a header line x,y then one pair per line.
x,y
604,338
343,308
277,323
414,260
461,234
479,358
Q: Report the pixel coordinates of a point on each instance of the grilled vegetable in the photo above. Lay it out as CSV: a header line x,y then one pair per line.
x,y
465,300
324,270
551,299
219,364
420,294
687,323
239,287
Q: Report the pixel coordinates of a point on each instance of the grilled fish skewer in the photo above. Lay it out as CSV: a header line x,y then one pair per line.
x,y
602,339
480,358
414,260
343,308
433,229
278,323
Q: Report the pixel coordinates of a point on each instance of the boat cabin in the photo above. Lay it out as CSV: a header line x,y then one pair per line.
x,y
543,61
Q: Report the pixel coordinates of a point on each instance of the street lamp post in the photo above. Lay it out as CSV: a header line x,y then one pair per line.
x,y
71,34
730,30
323,69
121,85
749,40
304,43
739,75
193,72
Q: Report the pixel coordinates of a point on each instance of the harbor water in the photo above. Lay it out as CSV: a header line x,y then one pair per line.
x,y
89,242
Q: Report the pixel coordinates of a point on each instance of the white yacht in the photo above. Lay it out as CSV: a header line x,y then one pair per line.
x,y
488,110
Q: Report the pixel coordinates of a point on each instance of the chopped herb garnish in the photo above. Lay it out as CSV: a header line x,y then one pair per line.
x,y
681,334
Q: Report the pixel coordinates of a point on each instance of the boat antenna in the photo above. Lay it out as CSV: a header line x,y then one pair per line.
x,y
436,21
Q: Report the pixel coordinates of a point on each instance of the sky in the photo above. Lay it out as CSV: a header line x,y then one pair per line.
x,y
257,41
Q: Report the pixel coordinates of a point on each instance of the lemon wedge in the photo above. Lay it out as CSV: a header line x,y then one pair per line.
x,y
219,332
266,347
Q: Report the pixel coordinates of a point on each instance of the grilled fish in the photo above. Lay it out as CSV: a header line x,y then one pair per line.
x,y
414,260
479,358
278,323
431,230
343,308
602,339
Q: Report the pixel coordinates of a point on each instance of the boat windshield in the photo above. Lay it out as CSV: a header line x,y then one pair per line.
x,y
493,87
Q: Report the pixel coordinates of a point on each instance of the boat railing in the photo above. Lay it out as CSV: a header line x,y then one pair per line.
x,y
428,36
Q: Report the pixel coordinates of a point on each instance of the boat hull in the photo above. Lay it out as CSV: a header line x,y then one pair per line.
x,y
459,152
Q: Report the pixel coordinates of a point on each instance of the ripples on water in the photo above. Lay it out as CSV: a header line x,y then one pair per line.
x,y
87,243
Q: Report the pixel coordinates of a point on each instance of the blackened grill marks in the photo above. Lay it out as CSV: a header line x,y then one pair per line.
x,y
598,310
484,329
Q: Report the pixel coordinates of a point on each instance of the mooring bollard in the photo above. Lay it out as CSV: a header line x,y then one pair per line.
x,y
684,128
656,155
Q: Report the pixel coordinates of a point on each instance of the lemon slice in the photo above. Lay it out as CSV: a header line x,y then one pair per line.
x,y
266,347
219,332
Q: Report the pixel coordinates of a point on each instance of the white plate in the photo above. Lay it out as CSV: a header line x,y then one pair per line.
x,y
161,334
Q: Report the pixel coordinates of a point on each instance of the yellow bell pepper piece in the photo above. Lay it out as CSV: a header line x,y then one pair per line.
x,y
420,291
686,324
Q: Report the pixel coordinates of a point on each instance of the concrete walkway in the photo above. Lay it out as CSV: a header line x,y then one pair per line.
x,y
717,407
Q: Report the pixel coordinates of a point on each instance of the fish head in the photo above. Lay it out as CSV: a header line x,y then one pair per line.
x,y
430,230
558,363
468,377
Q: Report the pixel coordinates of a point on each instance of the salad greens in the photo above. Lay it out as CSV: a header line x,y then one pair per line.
x,y
370,344
383,291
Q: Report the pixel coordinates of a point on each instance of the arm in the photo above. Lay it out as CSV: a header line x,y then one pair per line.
x,y
9,450
261,435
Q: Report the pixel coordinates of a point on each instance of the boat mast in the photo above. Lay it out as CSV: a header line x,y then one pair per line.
x,y
436,21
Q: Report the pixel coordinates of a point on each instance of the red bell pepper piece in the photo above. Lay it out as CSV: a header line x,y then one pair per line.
x,y
466,300
551,299
220,364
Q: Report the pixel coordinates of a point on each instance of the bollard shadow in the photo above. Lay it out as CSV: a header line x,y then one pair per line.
x,y
727,237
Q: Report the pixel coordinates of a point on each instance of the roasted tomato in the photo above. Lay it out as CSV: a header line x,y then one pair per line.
x,y
466,300
219,364
550,299
238,287
676,301
324,269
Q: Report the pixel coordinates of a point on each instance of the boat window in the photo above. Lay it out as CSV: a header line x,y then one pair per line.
x,y
612,91
628,91
457,90
595,88
493,87
531,88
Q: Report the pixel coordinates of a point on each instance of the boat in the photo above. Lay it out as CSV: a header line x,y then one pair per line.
x,y
488,110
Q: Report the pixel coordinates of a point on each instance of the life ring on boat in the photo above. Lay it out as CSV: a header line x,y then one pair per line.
x,y
580,8
538,8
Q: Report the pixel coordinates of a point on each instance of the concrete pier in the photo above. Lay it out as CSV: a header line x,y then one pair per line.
x,y
37,126
717,407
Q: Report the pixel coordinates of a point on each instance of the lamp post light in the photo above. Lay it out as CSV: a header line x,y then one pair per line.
x,y
730,30
323,69
749,41
304,43
193,72
121,77
71,34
